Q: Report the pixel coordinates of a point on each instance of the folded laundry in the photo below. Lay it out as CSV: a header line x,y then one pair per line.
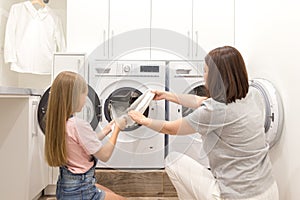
x,y
140,105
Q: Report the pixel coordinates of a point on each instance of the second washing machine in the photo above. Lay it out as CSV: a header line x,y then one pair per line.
x,y
118,84
186,77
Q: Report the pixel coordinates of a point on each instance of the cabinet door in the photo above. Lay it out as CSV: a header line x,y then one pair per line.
x,y
171,30
14,123
38,168
70,62
213,24
87,27
129,26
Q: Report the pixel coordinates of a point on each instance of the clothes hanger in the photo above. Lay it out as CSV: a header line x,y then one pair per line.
x,y
39,2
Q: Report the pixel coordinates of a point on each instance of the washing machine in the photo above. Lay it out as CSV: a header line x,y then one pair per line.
x,y
118,84
185,77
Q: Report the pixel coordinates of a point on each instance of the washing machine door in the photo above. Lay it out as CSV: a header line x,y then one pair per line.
x,y
117,97
196,89
273,109
91,111
118,102
199,90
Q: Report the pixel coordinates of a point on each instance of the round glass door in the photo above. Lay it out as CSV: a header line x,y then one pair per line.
x,y
199,91
118,103
90,112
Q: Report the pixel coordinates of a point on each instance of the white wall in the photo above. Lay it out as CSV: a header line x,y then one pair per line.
x,y
268,36
11,78
7,77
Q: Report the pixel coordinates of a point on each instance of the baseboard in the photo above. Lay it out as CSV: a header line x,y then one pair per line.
x,y
50,190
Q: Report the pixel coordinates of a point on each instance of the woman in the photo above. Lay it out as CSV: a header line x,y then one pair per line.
x,y
231,122
72,145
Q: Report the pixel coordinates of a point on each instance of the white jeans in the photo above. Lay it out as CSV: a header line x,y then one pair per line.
x,y
193,181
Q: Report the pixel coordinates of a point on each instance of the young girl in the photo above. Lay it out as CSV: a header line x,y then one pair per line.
x,y
72,145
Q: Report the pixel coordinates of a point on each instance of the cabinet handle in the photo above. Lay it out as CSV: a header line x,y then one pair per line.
x,y
197,44
34,119
112,43
78,65
188,40
104,36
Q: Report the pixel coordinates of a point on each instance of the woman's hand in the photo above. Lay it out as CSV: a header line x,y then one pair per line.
x,y
159,94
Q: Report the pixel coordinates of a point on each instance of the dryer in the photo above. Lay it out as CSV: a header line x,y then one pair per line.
x,y
186,77
118,84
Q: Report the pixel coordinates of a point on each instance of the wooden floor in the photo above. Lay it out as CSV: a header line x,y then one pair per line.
x,y
128,198
135,184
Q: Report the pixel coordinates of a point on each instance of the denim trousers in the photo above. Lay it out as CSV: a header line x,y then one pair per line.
x,y
72,186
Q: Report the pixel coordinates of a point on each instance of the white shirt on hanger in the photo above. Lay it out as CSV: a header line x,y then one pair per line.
x,y
31,38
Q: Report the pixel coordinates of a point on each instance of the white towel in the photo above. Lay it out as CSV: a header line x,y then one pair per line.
x,y
140,105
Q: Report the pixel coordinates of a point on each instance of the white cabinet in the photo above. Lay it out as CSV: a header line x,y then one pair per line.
x,y
194,28
213,25
38,167
149,29
74,62
23,170
87,26
129,25
106,29
171,33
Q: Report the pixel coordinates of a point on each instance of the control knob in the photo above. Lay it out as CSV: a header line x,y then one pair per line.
x,y
126,68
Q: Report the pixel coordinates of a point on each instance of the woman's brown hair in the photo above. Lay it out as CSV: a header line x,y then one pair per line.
x,y
227,78
62,103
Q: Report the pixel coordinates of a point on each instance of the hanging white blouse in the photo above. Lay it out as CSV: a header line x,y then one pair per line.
x,y
31,38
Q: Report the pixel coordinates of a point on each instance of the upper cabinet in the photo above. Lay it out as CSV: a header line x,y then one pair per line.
x,y
213,25
87,26
188,29
149,29
109,29
129,29
171,33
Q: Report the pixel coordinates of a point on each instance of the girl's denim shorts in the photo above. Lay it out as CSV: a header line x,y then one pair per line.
x,y
72,186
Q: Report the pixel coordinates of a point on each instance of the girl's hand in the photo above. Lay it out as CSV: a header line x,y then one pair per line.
x,y
138,117
107,129
121,122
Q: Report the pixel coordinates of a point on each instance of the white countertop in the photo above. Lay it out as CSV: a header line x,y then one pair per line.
x,y
5,90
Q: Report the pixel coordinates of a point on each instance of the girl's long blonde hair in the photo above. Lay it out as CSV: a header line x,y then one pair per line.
x,y
62,103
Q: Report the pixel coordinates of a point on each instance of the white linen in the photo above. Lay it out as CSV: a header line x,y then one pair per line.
x,y
31,38
140,105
